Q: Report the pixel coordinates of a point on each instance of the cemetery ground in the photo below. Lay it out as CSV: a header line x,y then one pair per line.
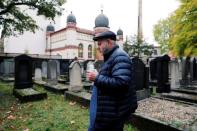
x,y
54,113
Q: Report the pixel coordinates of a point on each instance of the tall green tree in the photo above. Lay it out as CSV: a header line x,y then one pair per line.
x,y
162,32
133,48
14,20
184,34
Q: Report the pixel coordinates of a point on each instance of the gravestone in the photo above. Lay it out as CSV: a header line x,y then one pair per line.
x,y
75,77
153,71
8,67
163,84
44,69
139,73
23,80
23,72
58,67
159,73
1,70
52,81
37,63
174,65
52,72
64,66
185,71
141,78
195,69
38,74
64,70
193,66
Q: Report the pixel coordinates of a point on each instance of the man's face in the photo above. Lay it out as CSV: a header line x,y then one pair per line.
x,y
103,45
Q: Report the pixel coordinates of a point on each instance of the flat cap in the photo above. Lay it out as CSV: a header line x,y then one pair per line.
x,y
105,35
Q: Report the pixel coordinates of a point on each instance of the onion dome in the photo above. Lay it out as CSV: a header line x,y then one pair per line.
x,y
71,18
119,32
101,20
50,28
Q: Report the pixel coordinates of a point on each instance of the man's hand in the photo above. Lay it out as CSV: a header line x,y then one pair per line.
x,y
91,75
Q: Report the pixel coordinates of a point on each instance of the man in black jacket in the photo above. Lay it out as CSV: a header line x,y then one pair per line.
x,y
114,96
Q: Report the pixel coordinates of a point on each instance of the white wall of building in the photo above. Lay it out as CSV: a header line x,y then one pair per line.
x,y
30,42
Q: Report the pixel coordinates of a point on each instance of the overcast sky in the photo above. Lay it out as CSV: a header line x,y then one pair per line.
x,y
121,13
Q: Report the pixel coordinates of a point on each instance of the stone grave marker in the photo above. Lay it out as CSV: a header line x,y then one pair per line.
x,y
174,65
75,77
38,74
52,72
23,80
140,78
44,69
159,73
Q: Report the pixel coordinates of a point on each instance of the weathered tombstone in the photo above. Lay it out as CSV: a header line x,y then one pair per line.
x,y
8,67
37,63
139,73
44,69
23,80
52,72
64,66
185,71
75,77
159,73
163,84
193,72
38,74
141,78
52,81
195,69
174,65
23,75
58,67
153,71
1,66
64,69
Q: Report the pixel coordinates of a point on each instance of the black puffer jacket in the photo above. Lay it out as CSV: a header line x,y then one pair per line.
x,y
116,97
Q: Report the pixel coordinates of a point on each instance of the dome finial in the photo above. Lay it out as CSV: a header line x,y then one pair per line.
x,y
101,8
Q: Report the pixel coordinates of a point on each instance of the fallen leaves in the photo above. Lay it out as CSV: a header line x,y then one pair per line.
x,y
72,103
72,122
26,129
11,117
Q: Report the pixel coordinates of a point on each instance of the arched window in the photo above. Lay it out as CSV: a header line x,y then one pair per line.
x,y
90,51
80,51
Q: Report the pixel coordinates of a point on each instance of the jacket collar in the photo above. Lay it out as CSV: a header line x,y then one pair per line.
x,y
108,54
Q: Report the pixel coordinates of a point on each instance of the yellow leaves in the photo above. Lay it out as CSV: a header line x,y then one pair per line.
x,y
188,51
184,36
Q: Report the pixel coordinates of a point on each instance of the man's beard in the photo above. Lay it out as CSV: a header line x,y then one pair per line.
x,y
106,50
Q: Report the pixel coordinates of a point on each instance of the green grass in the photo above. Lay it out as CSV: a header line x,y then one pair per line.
x,y
52,114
